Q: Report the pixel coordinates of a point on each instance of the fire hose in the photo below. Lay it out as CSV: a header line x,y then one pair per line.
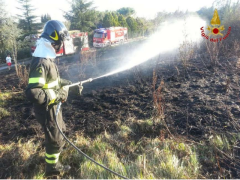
x,y
57,111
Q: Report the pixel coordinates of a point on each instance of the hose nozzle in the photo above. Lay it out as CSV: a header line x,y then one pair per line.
x,y
81,86
80,83
88,80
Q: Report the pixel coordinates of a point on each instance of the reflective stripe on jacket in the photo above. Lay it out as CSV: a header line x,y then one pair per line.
x,y
44,81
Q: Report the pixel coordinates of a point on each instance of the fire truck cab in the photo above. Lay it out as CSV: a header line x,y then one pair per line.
x,y
106,36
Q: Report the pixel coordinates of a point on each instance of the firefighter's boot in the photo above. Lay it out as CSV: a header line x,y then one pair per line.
x,y
56,169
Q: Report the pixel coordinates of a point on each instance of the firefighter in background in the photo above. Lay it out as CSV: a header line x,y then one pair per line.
x,y
8,61
45,89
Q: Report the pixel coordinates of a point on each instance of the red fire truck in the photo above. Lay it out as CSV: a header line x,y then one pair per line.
x,y
106,36
78,39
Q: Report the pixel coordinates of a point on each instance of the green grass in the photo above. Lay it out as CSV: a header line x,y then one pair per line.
x,y
147,158
4,98
221,142
7,99
124,132
39,175
22,159
4,113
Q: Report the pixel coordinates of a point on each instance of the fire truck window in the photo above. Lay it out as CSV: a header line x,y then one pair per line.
x,y
98,35
105,35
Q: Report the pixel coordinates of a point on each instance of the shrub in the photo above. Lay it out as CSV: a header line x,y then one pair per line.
x,y
24,53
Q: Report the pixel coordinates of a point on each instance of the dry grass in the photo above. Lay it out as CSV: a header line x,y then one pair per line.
x,y
87,58
146,158
4,97
158,102
186,53
149,158
238,63
23,74
4,113
21,160
213,50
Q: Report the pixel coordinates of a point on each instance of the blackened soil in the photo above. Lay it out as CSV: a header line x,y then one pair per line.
x,y
197,102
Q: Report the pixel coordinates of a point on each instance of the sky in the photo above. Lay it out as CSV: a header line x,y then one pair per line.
x,y
143,8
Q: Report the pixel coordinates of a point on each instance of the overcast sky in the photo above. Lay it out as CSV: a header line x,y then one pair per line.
x,y
143,8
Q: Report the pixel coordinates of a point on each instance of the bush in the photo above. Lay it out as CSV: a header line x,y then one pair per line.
x,y
24,53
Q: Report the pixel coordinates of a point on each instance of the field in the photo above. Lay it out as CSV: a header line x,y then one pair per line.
x,y
161,119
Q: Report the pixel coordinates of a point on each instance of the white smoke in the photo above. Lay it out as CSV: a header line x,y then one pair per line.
x,y
168,38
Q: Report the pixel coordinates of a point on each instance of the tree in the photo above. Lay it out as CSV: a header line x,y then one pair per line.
x,y
160,18
132,26
141,27
206,13
27,19
122,21
99,19
2,21
126,11
3,13
10,34
115,19
81,16
45,18
108,20
228,11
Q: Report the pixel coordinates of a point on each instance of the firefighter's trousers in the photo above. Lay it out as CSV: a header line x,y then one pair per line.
x,y
54,141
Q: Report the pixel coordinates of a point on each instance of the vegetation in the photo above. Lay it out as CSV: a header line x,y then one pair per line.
x,y
108,20
126,11
82,16
27,21
45,18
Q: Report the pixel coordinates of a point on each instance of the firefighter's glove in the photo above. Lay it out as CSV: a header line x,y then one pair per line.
x,y
62,94
65,82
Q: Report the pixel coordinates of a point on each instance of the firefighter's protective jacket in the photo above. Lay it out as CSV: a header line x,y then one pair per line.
x,y
43,86
44,81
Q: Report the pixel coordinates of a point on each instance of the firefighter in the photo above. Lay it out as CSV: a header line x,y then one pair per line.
x,y
45,89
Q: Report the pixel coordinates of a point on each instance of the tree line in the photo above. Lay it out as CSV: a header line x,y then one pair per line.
x,y
83,16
